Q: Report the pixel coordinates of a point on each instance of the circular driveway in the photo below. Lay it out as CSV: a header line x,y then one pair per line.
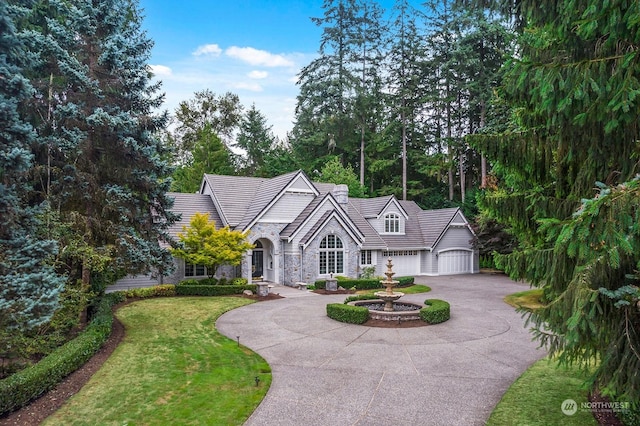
x,y
330,373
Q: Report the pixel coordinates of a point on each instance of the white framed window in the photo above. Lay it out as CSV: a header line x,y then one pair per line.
x,y
331,255
392,223
191,270
365,257
400,253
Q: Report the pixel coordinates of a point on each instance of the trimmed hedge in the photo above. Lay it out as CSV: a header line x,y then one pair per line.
x,y
360,297
365,284
437,311
214,281
163,290
213,290
347,313
19,389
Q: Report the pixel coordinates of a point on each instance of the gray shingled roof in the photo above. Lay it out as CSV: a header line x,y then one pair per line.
x,y
371,207
434,222
234,194
372,240
188,205
268,190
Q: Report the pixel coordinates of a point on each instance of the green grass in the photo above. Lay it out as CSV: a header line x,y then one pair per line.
x,y
413,289
529,299
172,367
535,398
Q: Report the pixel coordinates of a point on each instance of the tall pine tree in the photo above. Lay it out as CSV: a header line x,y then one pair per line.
x,y
563,165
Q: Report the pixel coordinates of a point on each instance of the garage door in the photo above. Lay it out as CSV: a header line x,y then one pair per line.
x,y
405,262
455,262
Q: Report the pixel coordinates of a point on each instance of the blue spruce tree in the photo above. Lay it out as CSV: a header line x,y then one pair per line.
x,y
29,285
103,169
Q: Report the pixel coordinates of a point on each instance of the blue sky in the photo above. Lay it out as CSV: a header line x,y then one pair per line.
x,y
253,48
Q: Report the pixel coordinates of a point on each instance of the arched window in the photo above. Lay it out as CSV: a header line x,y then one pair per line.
x,y
392,223
331,255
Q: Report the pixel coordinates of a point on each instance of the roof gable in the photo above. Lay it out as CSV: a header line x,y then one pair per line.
x,y
393,202
271,191
329,203
324,220
434,223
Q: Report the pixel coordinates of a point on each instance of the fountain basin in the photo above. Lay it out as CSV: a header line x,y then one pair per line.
x,y
403,311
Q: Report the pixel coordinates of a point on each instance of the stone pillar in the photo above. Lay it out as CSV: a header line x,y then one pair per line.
x,y
263,289
331,284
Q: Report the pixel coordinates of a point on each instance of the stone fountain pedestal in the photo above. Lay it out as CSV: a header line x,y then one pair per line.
x,y
389,296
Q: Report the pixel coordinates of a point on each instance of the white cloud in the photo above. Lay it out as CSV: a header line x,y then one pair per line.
x,y
258,75
160,70
252,87
258,57
208,49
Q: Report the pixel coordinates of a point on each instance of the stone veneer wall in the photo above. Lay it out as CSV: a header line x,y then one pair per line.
x,y
271,232
311,258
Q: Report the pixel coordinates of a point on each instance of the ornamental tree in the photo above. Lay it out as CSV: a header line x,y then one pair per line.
x,y
201,243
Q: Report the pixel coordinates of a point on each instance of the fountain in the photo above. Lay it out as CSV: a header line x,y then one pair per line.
x,y
386,307
389,296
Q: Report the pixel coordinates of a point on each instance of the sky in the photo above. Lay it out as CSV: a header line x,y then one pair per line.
x,y
253,48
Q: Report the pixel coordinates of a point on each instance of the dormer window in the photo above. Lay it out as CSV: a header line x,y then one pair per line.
x,y
392,223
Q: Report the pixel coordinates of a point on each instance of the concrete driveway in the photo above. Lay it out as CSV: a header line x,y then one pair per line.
x,y
329,373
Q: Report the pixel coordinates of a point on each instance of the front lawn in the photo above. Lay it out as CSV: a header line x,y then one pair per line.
x,y
172,367
536,398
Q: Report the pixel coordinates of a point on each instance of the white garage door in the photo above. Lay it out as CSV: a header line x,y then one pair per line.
x,y
405,263
455,262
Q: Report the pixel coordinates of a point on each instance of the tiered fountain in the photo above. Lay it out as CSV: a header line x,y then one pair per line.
x,y
386,307
389,296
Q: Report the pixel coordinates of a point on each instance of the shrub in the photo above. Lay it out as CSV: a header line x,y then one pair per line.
x,y
190,281
436,311
347,313
239,281
368,272
405,281
360,297
163,290
22,387
365,283
213,290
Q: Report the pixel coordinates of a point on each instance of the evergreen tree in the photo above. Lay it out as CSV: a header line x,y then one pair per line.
x,y
335,172
405,61
208,155
370,40
574,88
256,139
102,171
29,286
325,124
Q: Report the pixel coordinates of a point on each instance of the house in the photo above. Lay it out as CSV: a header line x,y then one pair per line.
x,y
303,231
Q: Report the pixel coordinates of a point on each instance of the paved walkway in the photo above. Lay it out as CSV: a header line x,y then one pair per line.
x,y
329,373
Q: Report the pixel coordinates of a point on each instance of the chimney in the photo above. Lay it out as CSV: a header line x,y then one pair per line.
x,y
341,194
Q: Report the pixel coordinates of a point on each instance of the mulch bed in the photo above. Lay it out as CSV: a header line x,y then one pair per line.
x,y
603,417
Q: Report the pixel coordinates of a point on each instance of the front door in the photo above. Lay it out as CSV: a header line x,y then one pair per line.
x,y
257,263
